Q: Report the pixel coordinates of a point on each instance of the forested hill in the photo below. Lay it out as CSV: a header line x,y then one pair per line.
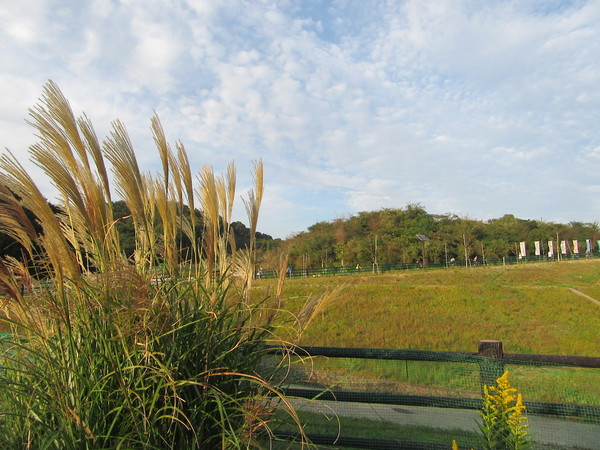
x,y
240,231
124,223
389,236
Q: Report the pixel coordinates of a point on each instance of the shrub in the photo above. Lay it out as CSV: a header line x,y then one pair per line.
x,y
110,352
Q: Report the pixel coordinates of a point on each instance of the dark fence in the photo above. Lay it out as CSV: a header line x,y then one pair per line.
x,y
491,361
330,271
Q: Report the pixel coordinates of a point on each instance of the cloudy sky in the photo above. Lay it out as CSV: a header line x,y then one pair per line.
x,y
478,108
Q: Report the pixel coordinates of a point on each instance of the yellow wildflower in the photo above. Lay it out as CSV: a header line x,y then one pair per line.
x,y
502,415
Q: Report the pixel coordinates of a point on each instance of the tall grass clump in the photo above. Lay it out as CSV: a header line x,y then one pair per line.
x,y
106,350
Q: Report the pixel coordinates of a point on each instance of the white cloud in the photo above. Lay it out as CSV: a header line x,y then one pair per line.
x,y
21,21
459,106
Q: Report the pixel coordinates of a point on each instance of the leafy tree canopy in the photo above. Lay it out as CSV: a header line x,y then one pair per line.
x,y
388,236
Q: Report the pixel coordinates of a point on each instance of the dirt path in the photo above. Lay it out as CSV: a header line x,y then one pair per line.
x,y
587,297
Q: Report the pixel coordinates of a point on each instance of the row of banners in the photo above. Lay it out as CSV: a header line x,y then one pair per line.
x,y
564,248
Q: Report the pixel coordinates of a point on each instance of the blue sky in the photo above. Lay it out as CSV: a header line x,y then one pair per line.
x,y
477,108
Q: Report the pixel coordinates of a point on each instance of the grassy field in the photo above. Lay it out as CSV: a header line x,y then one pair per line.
x,y
529,307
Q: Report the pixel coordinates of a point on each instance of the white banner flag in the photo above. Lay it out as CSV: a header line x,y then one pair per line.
x,y
523,250
538,248
575,246
563,247
550,249
588,246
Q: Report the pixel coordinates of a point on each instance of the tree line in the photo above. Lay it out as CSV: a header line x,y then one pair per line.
x,y
124,224
389,237
385,237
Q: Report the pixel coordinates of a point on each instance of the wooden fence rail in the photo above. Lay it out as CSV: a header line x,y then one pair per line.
x,y
438,356
490,358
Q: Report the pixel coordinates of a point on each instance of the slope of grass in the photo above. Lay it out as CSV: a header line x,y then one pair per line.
x,y
528,307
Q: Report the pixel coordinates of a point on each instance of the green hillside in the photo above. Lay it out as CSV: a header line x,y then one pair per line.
x,y
530,307
389,237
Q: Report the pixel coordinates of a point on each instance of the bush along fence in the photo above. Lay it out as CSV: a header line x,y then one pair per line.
x,y
382,268
351,397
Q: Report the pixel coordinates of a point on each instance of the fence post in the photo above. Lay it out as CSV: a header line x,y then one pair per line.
x,y
490,369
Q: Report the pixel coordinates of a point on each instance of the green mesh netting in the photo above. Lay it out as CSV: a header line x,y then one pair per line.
x,y
374,399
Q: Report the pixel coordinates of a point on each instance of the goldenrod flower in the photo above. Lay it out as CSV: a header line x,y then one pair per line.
x,y
503,417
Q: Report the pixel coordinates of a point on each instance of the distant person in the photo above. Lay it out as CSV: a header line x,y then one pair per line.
x,y
289,272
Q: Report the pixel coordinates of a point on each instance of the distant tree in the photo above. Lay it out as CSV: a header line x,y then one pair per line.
x,y
124,224
351,241
10,247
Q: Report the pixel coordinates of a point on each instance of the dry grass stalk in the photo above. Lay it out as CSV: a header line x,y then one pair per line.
x,y
133,187
254,201
281,275
167,211
217,195
164,195
209,200
185,174
242,273
316,304
252,205
226,191
64,155
57,250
